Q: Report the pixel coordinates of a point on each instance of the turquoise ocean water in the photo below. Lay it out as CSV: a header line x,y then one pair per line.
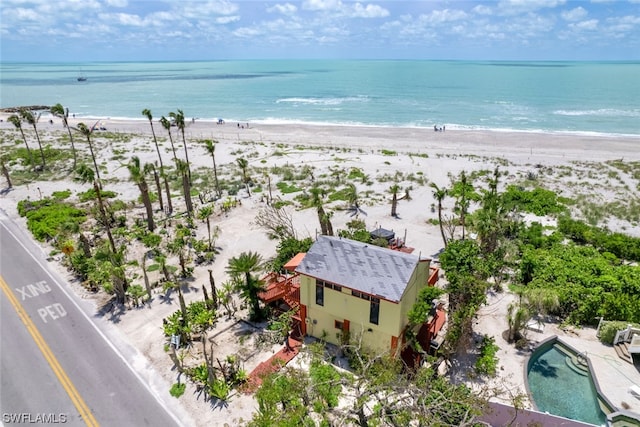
x,y
578,97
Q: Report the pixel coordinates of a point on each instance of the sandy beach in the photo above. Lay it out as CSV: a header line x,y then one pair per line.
x,y
575,166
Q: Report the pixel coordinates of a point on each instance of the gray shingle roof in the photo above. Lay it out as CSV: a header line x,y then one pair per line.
x,y
363,267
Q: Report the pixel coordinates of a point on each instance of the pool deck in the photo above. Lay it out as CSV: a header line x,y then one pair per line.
x,y
614,376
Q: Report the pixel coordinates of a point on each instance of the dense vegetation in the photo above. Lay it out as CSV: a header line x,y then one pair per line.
x,y
47,218
588,283
621,245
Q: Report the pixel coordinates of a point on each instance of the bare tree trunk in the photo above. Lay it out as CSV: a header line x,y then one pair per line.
x,y
214,293
156,177
103,213
147,285
5,172
168,191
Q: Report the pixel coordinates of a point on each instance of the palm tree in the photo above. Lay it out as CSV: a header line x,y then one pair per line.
x,y
59,111
85,174
394,189
87,133
210,146
167,125
151,168
245,265
5,172
147,113
439,194
464,193
178,246
183,170
178,119
138,176
353,198
317,195
15,120
244,164
32,120
204,214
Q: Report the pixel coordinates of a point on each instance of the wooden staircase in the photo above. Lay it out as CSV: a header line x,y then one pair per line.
x,y
622,350
279,287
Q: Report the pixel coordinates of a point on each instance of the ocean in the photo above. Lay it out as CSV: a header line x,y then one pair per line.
x,y
574,97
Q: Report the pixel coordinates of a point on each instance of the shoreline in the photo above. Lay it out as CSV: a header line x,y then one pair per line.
x,y
498,143
345,125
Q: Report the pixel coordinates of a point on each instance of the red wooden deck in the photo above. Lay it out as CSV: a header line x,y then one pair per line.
x,y
274,364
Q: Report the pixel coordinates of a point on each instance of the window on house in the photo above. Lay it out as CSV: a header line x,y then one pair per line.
x,y
319,294
374,310
338,324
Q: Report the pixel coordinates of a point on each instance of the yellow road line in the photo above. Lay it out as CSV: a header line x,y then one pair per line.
x,y
77,400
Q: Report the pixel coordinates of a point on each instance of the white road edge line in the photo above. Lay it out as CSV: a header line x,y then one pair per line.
x,y
102,335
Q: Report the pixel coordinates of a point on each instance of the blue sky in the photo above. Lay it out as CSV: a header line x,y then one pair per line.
x,y
129,30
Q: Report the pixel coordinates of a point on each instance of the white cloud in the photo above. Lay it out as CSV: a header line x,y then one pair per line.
x,y
126,19
285,9
512,7
223,20
574,14
325,5
117,3
482,10
590,25
369,11
442,16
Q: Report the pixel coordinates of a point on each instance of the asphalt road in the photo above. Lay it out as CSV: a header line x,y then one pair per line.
x,y
56,365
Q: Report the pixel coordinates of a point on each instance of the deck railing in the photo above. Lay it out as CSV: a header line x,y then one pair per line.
x,y
626,335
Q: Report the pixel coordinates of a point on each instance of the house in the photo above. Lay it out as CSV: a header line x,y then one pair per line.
x,y
353,290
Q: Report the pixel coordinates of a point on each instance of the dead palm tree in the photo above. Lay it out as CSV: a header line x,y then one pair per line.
x,y
87,133
85,174
15,120
147,113
205,214
167,125
439,194
150,168
28,116
210,146
5,172
59,111
178,119
317,200
244,164
394,190
183,170
138,176
464,194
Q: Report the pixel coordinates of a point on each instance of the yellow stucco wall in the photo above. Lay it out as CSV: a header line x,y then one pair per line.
x,y
342,305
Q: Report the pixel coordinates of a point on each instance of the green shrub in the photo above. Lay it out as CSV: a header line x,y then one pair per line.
x,y
177,389
47,217
61,195
609,329
90,194
618,244
537,201
487,362
287,188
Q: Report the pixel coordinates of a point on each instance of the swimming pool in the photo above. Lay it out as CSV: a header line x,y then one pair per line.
x,y
560,384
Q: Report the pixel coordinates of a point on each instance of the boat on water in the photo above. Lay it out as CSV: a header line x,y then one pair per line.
x,y
82,79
